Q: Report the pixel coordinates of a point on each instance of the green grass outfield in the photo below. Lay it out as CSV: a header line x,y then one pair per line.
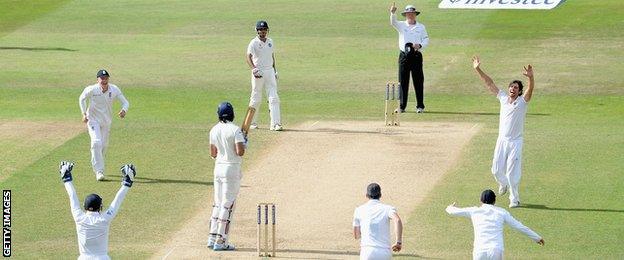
x,y
175,60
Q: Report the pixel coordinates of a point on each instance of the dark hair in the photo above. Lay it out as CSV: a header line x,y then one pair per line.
x,y
373,191
520,85
488,197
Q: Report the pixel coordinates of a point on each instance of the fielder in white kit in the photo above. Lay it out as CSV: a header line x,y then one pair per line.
x,y
92,226
488,222
227,146
261,61
371,224
98,117
507,161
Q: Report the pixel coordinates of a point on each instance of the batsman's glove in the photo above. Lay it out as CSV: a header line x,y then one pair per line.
x,y
128,172
65,169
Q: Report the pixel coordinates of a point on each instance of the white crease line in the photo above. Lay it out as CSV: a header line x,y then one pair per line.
x,y
170,251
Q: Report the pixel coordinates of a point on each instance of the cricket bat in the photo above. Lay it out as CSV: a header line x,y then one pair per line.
x,y
247,122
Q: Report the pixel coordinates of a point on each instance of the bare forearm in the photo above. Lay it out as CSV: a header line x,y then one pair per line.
x,y
398,230
250,62
529,92
489,83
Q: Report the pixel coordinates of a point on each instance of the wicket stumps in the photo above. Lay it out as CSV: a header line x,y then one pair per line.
x,y
392,108
265,252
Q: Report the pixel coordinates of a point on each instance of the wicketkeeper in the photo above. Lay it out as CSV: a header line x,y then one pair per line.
x,y
92,226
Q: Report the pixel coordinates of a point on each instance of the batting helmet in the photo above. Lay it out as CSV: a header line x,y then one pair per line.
x,y
93,202
225,112
262,25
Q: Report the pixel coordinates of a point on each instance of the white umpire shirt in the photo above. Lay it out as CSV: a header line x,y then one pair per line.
x,y
512,116
261,53
101,103
225,136
92,227
488,222
414,33
373,218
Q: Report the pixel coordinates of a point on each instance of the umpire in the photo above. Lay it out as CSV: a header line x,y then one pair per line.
x,y
412,39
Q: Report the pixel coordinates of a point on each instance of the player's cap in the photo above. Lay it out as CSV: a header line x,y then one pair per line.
x,y
102,73
262,25
93,202
410,9
373,191
488,197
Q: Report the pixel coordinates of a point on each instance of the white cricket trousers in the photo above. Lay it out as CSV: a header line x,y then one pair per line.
x,y
226,185
93,257
507,165
269,84
375,253
99,142
488,254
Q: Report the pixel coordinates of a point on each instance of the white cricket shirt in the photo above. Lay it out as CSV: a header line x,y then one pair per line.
x,y
488,222
225,136
92,227
512,116
101,103
414,33
373,218
261,53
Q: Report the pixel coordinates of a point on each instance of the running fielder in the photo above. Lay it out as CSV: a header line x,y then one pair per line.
x,y
227,146
92,226
488,222
506,165
371,224
261,61
98,117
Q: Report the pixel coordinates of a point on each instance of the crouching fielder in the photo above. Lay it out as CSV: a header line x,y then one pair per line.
x,y
227,146
92,226
371,224
488,221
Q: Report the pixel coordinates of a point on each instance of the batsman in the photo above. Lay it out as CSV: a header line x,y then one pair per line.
x,y
227,146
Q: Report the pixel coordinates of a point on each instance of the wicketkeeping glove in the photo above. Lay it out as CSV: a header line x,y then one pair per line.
x,y
65,169
128,172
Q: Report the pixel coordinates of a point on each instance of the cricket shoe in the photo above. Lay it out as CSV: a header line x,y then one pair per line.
x,y
277,127
99,176
502,189
253,126
420,110
514,204
223,247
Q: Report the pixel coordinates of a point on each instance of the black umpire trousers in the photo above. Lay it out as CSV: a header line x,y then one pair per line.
x,y
411,62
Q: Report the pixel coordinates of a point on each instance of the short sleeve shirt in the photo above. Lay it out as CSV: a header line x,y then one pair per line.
x,y
373,218
261,53
511,124
225,136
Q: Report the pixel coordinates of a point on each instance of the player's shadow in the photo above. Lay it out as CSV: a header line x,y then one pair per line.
x,y
35,48
539,206
327,252
476,113
164,181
